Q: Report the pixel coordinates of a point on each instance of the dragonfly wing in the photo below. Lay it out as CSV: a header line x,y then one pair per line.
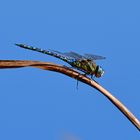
x,y
74,55
61,55
93,57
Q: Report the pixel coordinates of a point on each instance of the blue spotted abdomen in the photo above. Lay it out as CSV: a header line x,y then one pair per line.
x,y
49,52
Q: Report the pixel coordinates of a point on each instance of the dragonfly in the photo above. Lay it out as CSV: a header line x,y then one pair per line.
x,y
85,63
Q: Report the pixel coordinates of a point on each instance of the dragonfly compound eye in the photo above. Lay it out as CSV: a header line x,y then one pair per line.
x,y
99,71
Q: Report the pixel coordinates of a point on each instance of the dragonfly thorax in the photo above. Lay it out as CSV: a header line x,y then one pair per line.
x,y
99,71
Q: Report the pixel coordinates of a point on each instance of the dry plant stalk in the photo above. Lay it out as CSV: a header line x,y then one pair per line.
x,y
76,75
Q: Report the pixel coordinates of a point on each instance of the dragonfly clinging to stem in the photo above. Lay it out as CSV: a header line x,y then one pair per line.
x,y
85,63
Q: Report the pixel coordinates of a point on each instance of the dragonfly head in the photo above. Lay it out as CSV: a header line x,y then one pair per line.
x,y
99,71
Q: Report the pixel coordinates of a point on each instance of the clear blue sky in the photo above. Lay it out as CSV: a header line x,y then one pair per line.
x,y
43,105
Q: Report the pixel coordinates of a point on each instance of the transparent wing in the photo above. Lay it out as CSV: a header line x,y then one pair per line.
x,y
59,53
93,57
74,55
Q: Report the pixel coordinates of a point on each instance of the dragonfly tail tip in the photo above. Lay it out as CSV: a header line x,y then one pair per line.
x,y
19,45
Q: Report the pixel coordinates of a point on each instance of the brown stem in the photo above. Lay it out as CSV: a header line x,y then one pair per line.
x,y
74,74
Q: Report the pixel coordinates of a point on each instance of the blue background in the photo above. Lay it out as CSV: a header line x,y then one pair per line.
x,y
43,105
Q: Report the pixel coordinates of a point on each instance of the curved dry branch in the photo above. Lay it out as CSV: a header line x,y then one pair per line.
x,y
74,74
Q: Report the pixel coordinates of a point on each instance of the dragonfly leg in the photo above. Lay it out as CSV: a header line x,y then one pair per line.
x,y
77,84
78,80
93,78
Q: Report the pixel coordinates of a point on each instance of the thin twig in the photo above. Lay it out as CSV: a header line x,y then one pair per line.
x,y
76,75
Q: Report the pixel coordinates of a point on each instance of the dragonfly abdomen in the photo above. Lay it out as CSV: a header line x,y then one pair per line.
x,y
48,52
